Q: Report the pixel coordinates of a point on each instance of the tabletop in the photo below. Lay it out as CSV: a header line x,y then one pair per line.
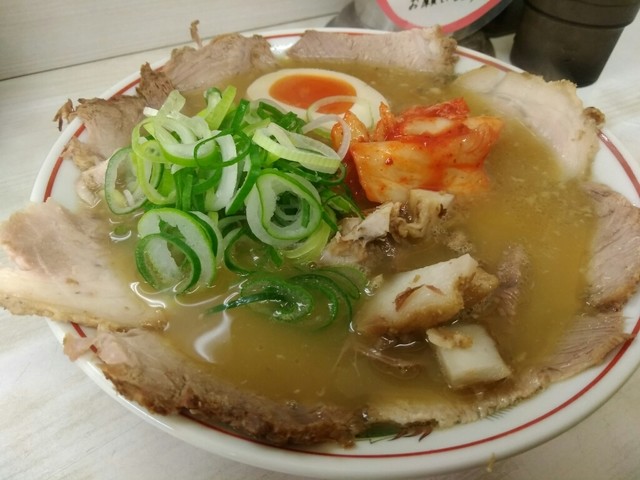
x,y
55,423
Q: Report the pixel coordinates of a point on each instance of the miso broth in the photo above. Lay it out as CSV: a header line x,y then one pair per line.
x,y
526,205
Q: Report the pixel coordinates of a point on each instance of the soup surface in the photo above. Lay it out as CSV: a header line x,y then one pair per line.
x,y
526,205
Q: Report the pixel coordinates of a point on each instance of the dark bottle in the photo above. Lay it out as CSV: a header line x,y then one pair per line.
x,y
570,39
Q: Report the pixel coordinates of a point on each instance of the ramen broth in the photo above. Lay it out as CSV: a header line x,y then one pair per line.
x,y
526,205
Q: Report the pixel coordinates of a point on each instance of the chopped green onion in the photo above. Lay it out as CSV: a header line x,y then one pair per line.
x,y
335,299
310,248
218,105
165,261
340,288
252,166
262,203
218,198
282,300
212,228
145,172
121,187
351,280
295,147
237,185
184,226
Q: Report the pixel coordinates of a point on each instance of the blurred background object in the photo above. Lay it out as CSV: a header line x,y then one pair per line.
x,y
570,39
471,23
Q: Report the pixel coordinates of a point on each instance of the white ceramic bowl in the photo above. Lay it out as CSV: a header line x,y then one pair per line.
x,y
509,432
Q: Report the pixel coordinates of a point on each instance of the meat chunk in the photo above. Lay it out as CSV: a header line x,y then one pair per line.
x,y
90,183
423,210
82,155
414,219
65,271
550,109
409,303
224,57
145,368
422,50
353,244
467,355
614,271
375,225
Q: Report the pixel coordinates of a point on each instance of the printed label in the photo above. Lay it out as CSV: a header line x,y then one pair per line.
x,y
451,15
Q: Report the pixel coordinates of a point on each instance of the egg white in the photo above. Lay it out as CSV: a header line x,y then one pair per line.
x,y
366,108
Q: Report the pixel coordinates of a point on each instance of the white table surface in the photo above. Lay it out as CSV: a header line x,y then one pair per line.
x,y
55,423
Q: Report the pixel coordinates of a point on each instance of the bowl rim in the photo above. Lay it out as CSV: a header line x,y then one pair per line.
x,y
599,382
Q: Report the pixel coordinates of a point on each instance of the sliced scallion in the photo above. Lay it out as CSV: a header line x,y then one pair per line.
x,y
122,190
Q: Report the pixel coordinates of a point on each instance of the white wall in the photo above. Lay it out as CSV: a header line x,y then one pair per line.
x,y
38,35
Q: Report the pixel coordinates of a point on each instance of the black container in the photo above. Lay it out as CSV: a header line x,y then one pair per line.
x,y
570,39
506,21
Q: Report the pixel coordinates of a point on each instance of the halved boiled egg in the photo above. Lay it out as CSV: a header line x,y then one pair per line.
x,y
313,92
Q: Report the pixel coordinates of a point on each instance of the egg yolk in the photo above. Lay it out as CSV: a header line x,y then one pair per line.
x,y
303,90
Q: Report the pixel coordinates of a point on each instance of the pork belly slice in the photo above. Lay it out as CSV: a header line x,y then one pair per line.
x,y
108,122
146,368
409,303
224,57
63,270
614,271
426,50
550,109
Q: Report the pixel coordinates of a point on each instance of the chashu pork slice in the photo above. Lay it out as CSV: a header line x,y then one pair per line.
x,y
550,109
614,272
108,122
426,50
587,343
224,57
410,302
146,368
63,270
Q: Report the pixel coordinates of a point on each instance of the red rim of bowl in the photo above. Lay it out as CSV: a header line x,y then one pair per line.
x,y
606,369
